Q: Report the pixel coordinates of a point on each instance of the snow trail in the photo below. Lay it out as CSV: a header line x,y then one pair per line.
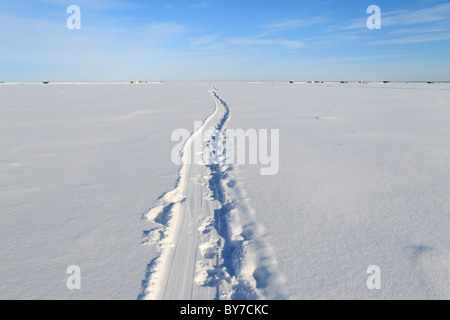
x,y
204,228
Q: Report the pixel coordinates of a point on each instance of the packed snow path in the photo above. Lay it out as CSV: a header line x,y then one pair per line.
x,y
200,258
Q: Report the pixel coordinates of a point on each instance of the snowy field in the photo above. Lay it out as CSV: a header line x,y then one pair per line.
x,y
86,179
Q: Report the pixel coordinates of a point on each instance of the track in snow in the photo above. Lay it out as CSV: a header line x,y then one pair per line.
x,y
204,228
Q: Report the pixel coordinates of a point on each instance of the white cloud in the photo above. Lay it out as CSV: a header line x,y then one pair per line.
x,y
403,26
430,15
412,17
280,26
97,4
284,43
200,5
431,29
208,42
159,29
412,39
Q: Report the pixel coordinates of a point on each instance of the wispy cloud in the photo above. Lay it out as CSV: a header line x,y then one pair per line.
x,y
275,34
95,5
272,36
203,4
401,26
430,29
219,43
412,39
158,29
437,13
208,42
279,26
277,42
430,15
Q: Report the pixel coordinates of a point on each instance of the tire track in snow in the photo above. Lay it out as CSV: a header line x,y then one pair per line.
x,y
210,247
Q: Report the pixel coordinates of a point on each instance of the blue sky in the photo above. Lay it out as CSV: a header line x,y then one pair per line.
x,y
264,40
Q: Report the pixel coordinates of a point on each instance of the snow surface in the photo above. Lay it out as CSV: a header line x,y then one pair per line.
x,y
364,180
86,179
79,165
